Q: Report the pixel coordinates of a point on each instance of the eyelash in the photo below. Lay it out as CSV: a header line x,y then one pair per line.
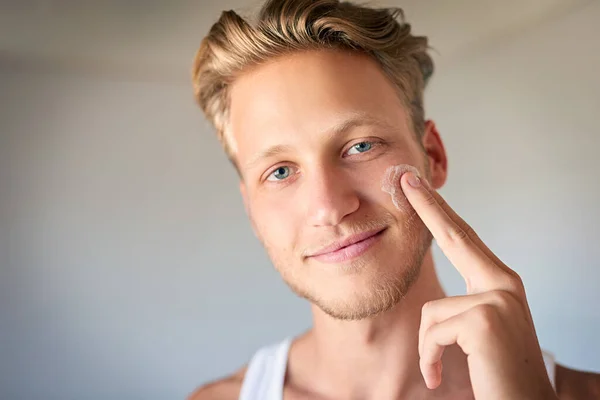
x,y
273,170
374,144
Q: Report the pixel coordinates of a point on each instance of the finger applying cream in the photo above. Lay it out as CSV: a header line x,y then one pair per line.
x,y
391,184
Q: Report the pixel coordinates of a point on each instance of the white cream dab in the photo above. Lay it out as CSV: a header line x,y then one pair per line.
x,y
391,183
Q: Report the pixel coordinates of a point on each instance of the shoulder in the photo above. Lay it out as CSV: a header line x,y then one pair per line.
x,y
229,388
223,389
572,384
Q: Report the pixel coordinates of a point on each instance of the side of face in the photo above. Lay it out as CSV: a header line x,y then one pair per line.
x,y
315,132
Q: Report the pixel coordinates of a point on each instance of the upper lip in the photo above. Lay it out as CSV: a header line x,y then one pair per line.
x,y
350,240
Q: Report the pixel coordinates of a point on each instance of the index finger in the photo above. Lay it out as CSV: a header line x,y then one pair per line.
x,y
478,265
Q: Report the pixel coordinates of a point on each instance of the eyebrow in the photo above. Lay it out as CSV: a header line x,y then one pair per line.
x,y
354,121
270,152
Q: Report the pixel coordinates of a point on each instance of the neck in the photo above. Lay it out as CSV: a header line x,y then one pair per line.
x,y
375,357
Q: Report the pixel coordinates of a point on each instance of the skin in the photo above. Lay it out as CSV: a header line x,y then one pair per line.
x,y
328,189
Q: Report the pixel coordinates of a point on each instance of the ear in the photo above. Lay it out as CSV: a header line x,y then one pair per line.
x,y
436,155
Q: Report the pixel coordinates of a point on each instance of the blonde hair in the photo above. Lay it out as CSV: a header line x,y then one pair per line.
x,y
285,26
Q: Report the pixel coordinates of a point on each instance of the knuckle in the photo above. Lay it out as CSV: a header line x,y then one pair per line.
x,y
427,316
515,284
485,318
457,236
441,201
428,308
430,200
501,299
518,283
469,231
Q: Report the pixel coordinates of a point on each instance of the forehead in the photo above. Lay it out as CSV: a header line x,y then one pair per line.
x,y
299,95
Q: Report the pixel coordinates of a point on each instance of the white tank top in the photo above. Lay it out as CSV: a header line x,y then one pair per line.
x,y
266,372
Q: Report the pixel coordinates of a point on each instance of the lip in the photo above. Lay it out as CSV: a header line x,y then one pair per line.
x,y
349,248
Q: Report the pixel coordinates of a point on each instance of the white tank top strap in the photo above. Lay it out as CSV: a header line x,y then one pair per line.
x,y
550,363
265,374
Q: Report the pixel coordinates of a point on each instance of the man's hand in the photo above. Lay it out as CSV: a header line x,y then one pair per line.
x,y
492,324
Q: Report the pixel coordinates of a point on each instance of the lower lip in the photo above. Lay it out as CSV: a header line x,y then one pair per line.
x,y
349,252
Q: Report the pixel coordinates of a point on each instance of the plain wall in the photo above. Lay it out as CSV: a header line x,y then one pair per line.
x,y
129,270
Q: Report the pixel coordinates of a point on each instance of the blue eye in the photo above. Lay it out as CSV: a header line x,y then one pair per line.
x,y
279,174
360,148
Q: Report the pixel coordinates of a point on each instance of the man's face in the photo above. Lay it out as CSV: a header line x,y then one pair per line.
x,y
315,133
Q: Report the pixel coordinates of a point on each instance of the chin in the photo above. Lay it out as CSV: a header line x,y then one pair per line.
x,y
368,290
367,285
363,298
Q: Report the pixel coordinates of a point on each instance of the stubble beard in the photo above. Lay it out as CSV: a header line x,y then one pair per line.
x,y
386,290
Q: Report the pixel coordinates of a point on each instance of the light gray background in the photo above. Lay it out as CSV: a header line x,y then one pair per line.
x,y
128,268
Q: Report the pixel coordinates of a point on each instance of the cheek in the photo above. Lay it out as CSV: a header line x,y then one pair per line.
x,y
380,184
274,222
390,184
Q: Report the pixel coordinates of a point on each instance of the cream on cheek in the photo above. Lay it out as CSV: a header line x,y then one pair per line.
x,y
391,184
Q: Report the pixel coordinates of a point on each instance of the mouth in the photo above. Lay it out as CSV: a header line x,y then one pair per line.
x,y
349,248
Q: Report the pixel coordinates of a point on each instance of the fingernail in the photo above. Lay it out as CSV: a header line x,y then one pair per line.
x,y
413,180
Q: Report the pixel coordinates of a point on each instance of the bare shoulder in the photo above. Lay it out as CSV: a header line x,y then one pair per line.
x,y
223,389
572,384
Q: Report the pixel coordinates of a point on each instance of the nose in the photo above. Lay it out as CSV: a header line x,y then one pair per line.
x,y
329,196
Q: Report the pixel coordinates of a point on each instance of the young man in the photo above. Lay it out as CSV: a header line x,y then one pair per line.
x,y
315,104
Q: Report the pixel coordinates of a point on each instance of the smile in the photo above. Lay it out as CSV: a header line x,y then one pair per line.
x,y
349,248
